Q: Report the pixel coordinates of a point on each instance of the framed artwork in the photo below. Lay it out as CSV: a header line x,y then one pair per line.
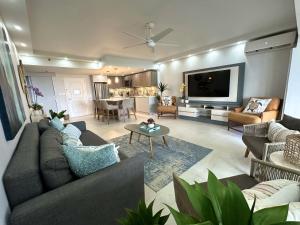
x,y
12,113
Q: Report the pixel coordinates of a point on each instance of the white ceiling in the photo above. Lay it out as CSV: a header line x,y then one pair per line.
x,y
93,28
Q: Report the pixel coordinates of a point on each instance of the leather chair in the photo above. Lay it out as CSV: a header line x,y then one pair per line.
x,y
237,117
170,109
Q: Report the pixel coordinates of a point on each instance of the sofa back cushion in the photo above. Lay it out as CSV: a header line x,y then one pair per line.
x,y
54,166
274,105
43,125
290,122
22,179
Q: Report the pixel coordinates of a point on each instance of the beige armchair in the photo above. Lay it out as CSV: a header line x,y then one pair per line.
x,y
167,110
237,117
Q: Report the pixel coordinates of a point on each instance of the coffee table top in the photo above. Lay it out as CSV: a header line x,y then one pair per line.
x,y
136,129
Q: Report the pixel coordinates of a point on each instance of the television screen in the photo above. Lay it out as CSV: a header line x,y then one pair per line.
x,y
209,84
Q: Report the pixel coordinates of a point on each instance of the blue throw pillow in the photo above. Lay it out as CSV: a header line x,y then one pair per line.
x,y
84,160
71,141
57,124
72,131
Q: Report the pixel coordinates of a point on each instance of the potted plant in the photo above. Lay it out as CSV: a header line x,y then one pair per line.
x,y
37,109
60,115
162,88
219,205
143,215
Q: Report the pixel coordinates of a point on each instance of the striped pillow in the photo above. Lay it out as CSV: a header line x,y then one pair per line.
x,y
72,131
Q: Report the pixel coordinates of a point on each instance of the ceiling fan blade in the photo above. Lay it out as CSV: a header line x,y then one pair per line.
x,y
167,44
135,45
161,35
135,36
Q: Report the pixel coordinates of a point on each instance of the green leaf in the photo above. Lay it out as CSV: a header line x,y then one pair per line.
x,y
204,223
200,201
288,223
216,192
234,207
269,216
181,218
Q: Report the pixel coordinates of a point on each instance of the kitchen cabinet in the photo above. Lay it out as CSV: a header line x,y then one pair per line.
x,y
146,104
145,79
116,82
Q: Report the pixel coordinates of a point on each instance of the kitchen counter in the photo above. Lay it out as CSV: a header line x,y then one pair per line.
x,y
145,104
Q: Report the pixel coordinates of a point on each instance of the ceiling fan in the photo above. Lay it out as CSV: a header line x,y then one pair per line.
x,y
151,40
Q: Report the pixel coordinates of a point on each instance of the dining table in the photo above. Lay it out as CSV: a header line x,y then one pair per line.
x,y
116,101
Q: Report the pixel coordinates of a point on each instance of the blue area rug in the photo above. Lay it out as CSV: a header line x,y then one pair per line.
x,y
177,158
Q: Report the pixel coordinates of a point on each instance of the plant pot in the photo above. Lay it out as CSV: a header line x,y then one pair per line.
x,y
37,112
62,120
182,100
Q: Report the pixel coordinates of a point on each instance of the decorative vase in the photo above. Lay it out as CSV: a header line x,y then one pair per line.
x,y
37,112
186,101
182,100
62,120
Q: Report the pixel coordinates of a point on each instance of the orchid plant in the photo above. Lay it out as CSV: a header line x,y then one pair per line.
x,y
35,94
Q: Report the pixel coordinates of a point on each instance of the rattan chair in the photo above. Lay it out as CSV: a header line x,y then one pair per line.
x,y
260,171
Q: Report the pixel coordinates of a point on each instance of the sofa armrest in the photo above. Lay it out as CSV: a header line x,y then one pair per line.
x,y
257,130
81,125
264,171
99,198
269,116
238,109
272,147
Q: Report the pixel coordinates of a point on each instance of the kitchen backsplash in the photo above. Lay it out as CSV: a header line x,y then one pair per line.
x,y
140,91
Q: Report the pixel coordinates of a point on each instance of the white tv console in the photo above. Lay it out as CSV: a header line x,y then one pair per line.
x,y
201,113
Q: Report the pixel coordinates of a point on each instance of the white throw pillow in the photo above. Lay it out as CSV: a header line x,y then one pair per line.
x,y
257,105
278,133
167,100
294,211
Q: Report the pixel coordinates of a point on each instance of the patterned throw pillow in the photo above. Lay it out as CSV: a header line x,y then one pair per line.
x,y
84,160
71,141
257,105
278,133
57,124
167,100
71,130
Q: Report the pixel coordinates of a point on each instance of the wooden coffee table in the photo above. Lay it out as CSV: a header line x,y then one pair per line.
x,y
135,128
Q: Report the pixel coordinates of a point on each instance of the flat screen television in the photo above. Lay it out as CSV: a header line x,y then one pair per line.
x,y
209,84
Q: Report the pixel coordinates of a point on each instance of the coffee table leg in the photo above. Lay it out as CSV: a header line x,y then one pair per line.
x,y
151,148
131,133
139,137
165,141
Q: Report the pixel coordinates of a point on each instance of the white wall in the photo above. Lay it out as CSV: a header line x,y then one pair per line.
x,y
61,92
7,147
292,106
265,73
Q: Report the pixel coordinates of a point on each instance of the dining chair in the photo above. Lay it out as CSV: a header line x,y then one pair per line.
x,y
128,106
107,108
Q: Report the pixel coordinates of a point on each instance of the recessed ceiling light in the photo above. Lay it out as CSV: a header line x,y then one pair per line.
x,y
23,44
17,27
172,60
210,50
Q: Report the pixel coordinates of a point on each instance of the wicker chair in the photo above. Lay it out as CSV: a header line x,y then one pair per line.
x,y
255,138
260,171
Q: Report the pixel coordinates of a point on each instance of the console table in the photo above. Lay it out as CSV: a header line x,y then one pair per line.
x,y
201,113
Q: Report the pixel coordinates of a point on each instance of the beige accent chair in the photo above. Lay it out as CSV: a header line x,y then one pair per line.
x,y
169,110
237,117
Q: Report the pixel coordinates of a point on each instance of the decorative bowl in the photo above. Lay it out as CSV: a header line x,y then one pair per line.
x,y
151,125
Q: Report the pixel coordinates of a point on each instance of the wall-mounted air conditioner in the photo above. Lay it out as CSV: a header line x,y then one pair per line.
x,y
277,41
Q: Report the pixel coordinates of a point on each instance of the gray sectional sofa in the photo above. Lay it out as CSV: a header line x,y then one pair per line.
x,y
42,190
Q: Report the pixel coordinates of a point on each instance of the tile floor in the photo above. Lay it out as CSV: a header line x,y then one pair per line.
x,y
227,158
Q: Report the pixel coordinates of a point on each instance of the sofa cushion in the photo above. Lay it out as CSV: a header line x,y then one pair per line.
x,y
71,130
85,160
22,179
244,118
256,105
43,125
278,133
88,138
290,122
256,144
57,124
274,104
54,166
